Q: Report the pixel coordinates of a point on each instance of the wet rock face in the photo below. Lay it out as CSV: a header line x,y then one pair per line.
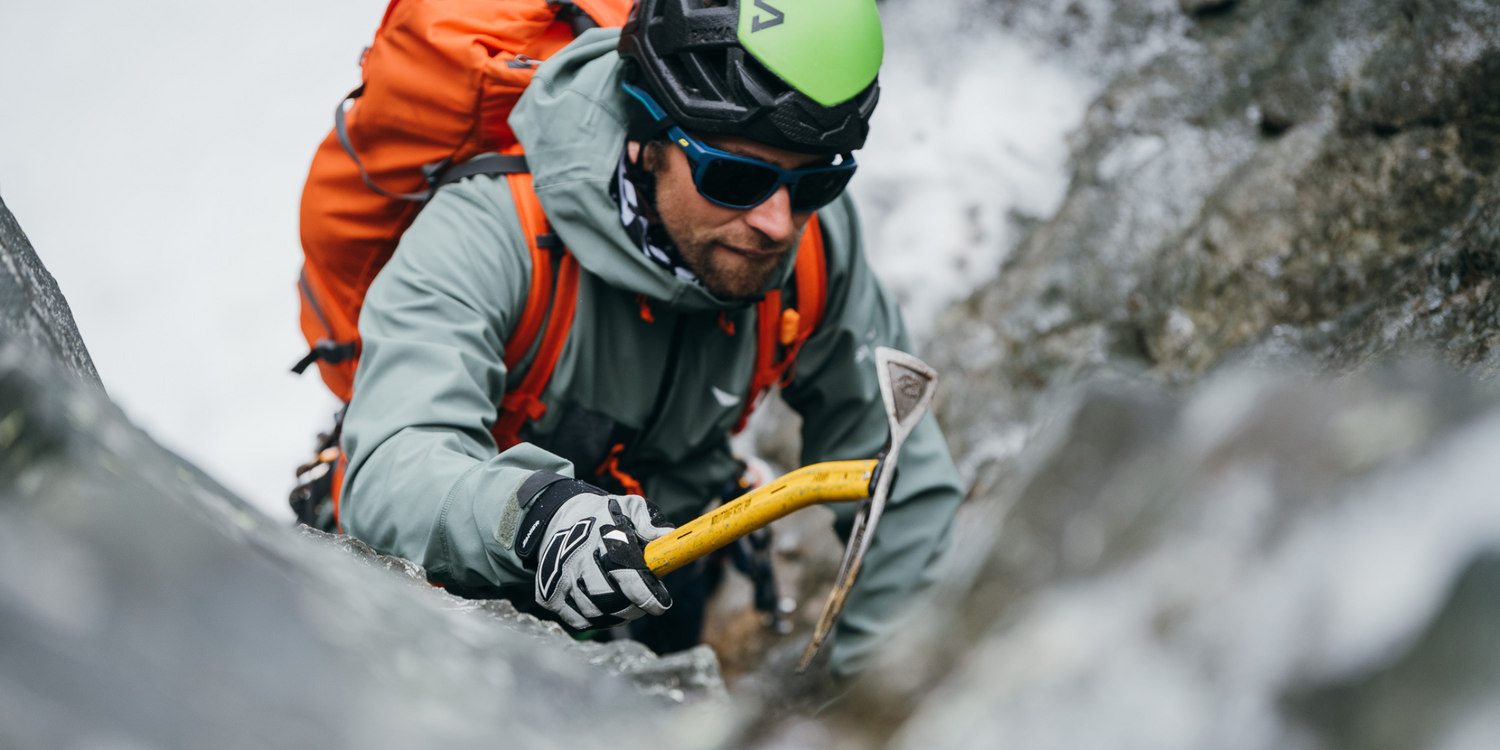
x,y
1263,178
685,677
32,308
1442,690
141,605
1265,563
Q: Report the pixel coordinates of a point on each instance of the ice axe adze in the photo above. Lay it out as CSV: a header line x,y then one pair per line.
x,y
906,387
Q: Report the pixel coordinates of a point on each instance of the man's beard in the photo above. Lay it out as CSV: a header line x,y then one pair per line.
x,y
730,275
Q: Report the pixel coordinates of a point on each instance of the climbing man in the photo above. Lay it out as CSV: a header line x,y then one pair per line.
x,y
685,185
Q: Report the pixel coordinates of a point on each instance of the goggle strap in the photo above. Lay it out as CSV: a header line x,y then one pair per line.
x,y
659,133
661,120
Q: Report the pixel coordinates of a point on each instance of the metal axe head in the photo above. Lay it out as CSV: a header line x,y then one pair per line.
x,y
906,388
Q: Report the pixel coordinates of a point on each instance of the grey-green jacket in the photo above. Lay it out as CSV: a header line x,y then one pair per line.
x,y
424,480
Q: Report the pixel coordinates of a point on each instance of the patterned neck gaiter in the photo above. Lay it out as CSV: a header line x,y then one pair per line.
x,y
652,239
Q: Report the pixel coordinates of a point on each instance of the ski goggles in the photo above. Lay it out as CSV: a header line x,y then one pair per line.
x,y
740,182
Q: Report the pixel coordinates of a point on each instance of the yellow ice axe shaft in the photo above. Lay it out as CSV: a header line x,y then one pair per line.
x,y
830,482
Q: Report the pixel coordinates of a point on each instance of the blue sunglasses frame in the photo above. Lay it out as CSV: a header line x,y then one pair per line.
x,y
702,155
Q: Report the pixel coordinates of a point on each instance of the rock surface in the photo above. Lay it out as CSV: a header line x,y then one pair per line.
x,y
32,308
1261,179
1266,563
684,677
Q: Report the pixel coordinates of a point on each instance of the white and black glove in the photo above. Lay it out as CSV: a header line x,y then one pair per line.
x,y
587,548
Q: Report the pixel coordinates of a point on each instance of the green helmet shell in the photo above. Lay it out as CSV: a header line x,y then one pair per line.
x,y
829,50
794,74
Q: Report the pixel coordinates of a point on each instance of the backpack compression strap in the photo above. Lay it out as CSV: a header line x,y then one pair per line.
x,y
785,331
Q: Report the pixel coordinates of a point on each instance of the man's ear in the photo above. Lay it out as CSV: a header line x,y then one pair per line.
x,y
633,150
648,155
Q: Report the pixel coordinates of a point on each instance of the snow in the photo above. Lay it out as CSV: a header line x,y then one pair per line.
x,y
969,135
155,151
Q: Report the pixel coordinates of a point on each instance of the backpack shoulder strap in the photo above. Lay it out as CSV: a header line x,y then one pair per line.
x,y
546,302
785,331
812,283
523,402
539,295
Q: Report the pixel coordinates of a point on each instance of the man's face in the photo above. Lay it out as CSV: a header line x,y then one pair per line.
x,y
734,251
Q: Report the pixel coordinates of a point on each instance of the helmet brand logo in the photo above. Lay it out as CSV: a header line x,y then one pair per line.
x,y
757,24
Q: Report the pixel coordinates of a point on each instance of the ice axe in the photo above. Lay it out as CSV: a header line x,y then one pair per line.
x,y
906,387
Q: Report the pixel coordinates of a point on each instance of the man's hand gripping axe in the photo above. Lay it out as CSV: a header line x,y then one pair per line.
x,y
906,388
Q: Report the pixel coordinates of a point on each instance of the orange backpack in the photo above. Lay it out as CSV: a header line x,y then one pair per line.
x,y
439,83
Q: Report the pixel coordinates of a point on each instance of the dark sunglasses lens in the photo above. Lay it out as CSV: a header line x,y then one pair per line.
x,y
818,189
736,183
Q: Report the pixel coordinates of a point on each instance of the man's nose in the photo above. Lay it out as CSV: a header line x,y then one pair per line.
x,y
773,218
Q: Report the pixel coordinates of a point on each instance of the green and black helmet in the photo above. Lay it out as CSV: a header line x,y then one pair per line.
x,y
794,74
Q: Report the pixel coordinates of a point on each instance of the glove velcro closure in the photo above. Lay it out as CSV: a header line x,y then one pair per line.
x,y
529,537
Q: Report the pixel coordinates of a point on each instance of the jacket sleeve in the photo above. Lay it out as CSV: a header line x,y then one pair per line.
x,y
424,481
836,392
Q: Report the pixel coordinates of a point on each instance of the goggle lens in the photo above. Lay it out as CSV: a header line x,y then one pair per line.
x,y
817,189
737,183
741,184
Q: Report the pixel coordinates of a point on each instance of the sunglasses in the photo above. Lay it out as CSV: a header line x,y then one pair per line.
x,y
740,182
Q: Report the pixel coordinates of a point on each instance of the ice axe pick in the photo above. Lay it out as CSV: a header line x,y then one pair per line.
x,y
906,388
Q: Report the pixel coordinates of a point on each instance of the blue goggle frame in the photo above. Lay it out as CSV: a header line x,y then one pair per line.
x,y
702,157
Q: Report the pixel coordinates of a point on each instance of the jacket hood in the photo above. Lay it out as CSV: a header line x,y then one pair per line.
x,y
572,120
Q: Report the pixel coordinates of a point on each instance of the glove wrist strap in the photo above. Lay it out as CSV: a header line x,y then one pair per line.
x,y
554,490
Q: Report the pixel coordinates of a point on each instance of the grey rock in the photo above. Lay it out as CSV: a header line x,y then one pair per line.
x,y
1276,180
143,605
31,305
1442,690
1202,8
685,677
1266,562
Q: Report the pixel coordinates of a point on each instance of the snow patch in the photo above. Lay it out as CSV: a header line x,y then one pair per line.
x,y
970,136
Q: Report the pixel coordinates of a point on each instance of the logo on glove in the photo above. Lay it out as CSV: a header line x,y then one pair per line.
x,y
559,548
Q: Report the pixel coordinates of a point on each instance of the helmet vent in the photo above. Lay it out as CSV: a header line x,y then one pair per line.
x,y
710,66
677,73
758,75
